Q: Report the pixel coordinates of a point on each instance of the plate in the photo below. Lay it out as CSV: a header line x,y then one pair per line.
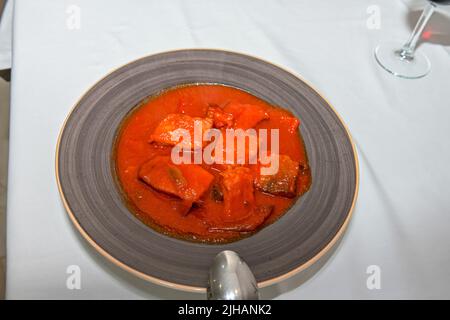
x,y
91,195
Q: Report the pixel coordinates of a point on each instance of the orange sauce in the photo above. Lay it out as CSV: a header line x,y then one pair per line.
x,y
164,212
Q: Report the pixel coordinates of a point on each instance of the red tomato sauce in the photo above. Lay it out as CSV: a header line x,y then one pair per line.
x,y
206,218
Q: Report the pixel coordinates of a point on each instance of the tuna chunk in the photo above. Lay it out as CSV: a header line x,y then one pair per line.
x,y
185,181
246,115
238,193
240,212
219,117
168,129
283,182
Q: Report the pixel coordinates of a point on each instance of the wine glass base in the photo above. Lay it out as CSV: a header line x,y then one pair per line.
x,y
387,56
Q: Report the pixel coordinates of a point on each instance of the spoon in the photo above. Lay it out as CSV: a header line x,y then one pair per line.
x,y
230,278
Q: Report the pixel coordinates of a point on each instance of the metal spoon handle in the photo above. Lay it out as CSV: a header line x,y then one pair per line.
x,y
230,278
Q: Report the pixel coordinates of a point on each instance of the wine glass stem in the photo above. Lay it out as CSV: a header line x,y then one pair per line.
x,y
407,51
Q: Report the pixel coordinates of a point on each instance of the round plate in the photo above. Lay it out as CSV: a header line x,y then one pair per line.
x,y
86,178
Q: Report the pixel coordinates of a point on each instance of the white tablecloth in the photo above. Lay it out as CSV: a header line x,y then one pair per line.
x,y
6,35
402,221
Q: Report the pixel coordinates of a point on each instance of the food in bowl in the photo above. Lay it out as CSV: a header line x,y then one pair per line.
x,y
210,163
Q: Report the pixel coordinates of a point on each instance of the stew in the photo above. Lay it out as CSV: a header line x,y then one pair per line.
x,y
220,200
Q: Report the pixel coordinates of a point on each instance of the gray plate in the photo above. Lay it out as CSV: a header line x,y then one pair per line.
x,y
92,198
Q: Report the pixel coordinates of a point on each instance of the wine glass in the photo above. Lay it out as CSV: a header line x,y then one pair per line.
x,y
405,61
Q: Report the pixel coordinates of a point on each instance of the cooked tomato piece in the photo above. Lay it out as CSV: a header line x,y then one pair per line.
x,y
185,181
246,115
219,117
168,129
283,182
